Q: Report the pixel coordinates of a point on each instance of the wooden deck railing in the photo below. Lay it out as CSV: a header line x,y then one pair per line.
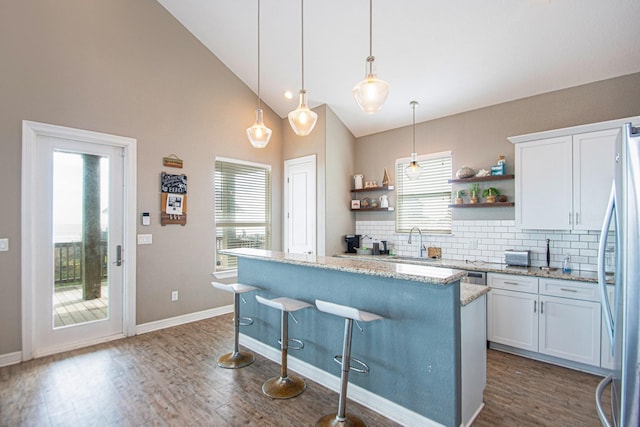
x,y
68,262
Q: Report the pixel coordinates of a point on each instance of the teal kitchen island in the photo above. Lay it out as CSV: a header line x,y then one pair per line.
x,y
415,352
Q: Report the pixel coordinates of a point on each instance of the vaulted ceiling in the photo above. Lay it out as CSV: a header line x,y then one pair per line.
x,y
450,56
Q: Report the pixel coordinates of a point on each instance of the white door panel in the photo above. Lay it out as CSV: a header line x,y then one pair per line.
x,y
300,205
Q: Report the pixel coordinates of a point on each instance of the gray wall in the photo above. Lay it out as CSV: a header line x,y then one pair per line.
x,y
127,68
334,147
476,138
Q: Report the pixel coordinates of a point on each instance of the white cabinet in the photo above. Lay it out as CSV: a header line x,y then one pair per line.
x,y
559,318
563,183
563,177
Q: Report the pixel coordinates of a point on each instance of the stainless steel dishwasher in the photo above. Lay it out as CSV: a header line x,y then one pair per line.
x,y
476,278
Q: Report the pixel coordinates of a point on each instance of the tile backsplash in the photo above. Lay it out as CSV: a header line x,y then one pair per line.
x,y
486,240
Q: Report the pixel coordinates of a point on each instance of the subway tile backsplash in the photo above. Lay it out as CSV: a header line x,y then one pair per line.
x,y
486,240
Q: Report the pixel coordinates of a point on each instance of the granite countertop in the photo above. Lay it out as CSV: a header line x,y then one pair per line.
x,y
418,273
582,276
470,292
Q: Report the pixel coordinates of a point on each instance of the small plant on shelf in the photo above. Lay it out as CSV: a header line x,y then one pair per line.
x,y
459,195
490,194
474,190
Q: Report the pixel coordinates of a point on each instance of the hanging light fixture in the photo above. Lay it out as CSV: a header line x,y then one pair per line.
x,y
259,134
371,92
413,170
302,119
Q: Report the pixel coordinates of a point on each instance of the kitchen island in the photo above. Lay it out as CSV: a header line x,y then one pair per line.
x,y
414,353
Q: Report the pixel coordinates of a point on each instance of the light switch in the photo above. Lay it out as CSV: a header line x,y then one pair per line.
x,y
145,239
4,245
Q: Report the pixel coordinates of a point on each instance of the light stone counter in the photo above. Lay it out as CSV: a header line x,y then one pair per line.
x,y
581,276
417,273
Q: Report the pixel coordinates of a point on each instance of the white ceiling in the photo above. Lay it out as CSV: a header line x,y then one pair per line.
x,y
450,56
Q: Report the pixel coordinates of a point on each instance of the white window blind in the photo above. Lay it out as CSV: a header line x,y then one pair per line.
x,y
425,201
243,208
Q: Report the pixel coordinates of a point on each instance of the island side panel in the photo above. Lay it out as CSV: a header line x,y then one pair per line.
x,y
414,353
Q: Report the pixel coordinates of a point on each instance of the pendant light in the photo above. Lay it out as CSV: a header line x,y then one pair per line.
x,y
371,92
413,170
259,134
302,119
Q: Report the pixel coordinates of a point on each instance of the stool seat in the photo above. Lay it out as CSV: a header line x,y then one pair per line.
x,y
284,386
236,359
346,311
236,288
283,303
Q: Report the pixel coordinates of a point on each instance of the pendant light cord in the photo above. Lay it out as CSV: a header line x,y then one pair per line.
x,y
414,127
302,38
258,54
370,27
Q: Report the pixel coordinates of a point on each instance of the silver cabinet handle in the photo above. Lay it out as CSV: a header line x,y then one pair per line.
x,y
577,218
541,307
511,283
568,290
535,306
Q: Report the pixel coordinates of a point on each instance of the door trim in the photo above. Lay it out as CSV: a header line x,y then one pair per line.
x,y
31,131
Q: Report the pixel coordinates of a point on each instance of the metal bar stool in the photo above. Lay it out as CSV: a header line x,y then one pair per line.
x,y
350,314
284,386
236,359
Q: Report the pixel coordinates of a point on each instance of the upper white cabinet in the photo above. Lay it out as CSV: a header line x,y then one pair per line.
x,y
563,177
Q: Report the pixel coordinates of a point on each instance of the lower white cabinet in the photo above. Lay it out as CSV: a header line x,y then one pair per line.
x,y
559,318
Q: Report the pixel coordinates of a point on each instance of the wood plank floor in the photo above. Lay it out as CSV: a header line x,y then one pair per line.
x,y
170,378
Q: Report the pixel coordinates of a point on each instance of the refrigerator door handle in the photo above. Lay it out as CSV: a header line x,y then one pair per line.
x,y
599,390
610,215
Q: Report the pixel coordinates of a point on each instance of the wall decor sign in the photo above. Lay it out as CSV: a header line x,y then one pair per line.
x,y
173,205
172,161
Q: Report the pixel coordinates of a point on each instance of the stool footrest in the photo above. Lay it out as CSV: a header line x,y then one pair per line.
x,y
299,346
363,370
245,321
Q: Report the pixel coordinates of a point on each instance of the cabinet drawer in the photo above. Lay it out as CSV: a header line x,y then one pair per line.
x,y
570,289
513,283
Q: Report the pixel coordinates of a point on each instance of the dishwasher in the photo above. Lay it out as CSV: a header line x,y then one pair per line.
x,y
476,278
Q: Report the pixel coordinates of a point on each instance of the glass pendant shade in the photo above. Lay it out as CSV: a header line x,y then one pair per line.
x,y
302,119
371,93
413,170
258,134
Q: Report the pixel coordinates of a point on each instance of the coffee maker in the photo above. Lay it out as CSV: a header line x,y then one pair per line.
x,y
353,242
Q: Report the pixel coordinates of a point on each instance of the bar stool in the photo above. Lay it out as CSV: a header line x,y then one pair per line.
x,y
350,314
236,359
284,386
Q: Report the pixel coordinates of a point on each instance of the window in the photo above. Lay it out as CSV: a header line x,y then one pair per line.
x,y
425,201
243,208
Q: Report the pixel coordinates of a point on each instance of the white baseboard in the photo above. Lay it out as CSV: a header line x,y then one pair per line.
x,y
181,320
378,404
10,358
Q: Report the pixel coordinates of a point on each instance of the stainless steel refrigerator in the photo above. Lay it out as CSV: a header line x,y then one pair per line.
x,y
623,320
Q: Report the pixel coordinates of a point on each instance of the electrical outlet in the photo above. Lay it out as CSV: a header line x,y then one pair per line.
x,y
174,295
145,239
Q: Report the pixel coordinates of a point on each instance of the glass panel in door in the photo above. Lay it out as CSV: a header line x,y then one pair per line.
x,y
80,238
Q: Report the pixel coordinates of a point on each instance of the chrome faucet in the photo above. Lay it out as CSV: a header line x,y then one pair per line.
x,y
422,248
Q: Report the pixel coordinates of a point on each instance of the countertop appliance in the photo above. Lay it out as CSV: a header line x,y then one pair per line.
x,y
623,321
353,242
519,258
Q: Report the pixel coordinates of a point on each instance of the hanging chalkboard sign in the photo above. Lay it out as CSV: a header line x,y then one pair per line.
x,y
173,202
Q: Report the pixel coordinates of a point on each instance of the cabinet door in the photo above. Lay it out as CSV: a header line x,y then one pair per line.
x,y
543,184
570,329
593,171
513,319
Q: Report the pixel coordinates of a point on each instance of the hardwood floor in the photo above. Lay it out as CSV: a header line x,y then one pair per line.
x,y
170,378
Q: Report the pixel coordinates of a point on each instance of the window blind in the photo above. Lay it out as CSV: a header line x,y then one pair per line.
x,y
242,207
425,201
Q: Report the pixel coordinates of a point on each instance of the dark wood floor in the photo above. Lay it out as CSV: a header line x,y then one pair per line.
x,y
170,378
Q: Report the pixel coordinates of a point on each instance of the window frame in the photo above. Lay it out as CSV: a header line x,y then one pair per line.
x,y
444,196
221,272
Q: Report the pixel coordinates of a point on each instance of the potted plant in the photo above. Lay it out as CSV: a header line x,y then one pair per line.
x,y
459,195
490,194
473,191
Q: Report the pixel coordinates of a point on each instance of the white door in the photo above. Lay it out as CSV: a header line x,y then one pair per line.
x,y
75,255
300,205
